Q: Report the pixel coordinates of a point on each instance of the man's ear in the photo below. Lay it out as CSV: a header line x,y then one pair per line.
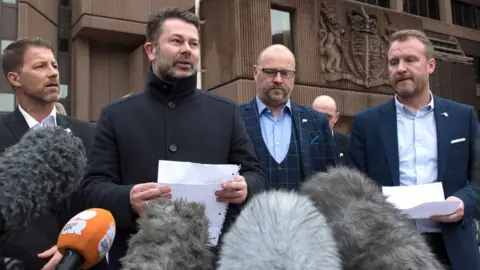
x,y
150,50
14,79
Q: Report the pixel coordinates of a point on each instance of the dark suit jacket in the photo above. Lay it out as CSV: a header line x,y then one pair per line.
x,y
342,141
43,233
164,122
374,150
318,150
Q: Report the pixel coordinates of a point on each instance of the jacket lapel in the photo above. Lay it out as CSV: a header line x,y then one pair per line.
x,y
298,114
17,124
252,125
388,127
443,131
62,121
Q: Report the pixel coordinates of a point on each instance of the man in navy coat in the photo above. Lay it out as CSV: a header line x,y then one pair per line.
x,y
419,138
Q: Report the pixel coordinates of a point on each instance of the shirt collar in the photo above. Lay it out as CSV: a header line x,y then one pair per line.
x,y
51,118
429,107
261,106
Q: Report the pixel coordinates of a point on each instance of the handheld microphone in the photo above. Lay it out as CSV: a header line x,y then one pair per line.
x,y
173,234
279,230
370,232
42,169
86,239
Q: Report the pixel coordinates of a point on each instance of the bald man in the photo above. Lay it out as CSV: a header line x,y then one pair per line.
x,y
291,141
327,105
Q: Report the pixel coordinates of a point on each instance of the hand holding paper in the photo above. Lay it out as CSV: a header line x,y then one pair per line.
x,y
196,182
423,201
456,216
233,192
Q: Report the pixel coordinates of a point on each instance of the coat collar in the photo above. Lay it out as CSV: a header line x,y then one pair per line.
x,y
163,90
18,125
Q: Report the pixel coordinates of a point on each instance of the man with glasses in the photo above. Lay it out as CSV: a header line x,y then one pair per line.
x,y
291,141
327,105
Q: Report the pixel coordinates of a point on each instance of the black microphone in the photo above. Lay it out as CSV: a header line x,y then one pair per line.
x,y
279,230
41,170
370,232
172,234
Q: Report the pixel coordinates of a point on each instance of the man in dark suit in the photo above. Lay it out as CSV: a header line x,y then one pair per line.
x,y
292,141
31,69
326,104
169,120
419,138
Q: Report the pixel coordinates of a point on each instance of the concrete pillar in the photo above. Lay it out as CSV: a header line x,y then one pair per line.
x,y
396,5
445,11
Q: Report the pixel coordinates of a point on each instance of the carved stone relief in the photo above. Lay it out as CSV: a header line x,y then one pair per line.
x,y
356,53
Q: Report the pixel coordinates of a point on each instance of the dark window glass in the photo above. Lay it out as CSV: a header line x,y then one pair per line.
x,y
281,28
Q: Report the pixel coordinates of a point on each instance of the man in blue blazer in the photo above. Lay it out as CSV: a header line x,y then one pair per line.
x,y
419,138
291,141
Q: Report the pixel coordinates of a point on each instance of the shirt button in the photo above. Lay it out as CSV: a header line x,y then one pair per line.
x,y
278,143
171,104
172,147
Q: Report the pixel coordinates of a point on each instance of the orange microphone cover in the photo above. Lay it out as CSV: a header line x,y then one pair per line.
x,y
90,233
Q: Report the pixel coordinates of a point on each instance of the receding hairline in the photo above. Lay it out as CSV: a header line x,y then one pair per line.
x,y
413,34
275,48
325,99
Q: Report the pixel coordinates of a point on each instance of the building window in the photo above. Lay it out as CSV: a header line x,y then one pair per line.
x,y
65,3
380,3
281,28
13,2
425,8
64,98
476,64
4,45
464,14
7,102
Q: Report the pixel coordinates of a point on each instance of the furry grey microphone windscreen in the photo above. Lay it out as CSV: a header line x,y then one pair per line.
x,y
172,235
371,233
279,230
41,170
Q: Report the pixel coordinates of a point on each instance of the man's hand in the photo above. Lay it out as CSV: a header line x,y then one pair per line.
x,y
233,192
456,216
55,258
142,193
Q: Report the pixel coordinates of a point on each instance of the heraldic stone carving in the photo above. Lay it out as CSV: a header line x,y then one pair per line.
x,y
360,47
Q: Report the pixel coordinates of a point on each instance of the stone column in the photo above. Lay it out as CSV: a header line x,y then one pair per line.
x,y
396,5
445,11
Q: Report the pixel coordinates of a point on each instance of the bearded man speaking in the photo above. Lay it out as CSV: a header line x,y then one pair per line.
x,y
169,120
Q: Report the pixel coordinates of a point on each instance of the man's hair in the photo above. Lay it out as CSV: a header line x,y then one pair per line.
x,y
158,18
403,35
12,57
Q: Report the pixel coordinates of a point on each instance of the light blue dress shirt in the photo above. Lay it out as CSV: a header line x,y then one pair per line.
x,y
417,151
276,133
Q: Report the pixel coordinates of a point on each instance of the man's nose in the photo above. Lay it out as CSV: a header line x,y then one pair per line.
x,y
278,78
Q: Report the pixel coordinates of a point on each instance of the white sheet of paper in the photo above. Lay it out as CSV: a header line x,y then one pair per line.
x,y
196,182
420,201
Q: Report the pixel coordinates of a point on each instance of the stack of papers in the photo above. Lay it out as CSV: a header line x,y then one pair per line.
x,y
420,201
194,182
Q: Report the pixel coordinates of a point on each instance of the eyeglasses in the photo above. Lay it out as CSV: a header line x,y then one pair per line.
x,y
272,72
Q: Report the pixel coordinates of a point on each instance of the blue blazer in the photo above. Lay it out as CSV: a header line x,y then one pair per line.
x,y
374,150
318,150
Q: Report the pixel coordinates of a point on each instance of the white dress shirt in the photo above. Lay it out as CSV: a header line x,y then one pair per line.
x,y
49,121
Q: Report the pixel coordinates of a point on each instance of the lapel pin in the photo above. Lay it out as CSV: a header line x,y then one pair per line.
x,y
445,114
304,120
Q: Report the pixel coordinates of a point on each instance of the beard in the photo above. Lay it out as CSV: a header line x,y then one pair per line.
x,y
277,95
409,87
173,69
44,96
